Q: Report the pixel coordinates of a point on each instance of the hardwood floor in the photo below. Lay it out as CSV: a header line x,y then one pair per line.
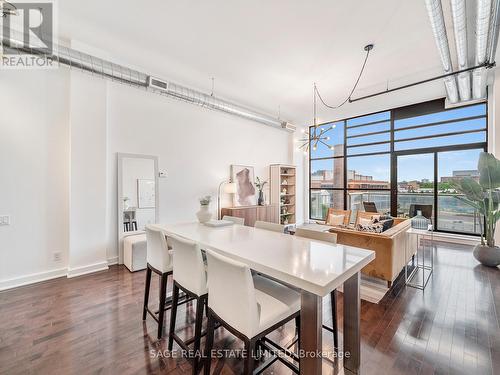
x,y
92,324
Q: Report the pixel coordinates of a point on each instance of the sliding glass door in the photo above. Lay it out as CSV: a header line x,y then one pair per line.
x,y
415,186
428,179
454,215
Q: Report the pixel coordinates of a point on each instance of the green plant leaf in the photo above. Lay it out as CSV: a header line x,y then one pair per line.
x,y
489,171
470,188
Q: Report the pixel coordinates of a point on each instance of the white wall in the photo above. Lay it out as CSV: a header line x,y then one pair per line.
x,y
195,147
88,139
34,174
60,132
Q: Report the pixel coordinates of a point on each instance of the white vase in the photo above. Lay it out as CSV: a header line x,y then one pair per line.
x,y
203,214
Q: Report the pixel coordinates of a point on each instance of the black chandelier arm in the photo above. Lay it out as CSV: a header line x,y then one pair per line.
x,y
368,48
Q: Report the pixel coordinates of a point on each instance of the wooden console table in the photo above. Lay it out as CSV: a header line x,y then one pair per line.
x,y
251,214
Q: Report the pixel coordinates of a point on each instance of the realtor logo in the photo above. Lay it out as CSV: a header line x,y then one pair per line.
x,y
28,36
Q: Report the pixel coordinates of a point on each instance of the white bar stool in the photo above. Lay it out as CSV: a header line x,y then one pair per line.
x,y
234,219
270,226
248,307
190,276
159,261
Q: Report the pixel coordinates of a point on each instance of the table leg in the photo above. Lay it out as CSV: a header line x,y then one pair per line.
x,y
311,321
352,335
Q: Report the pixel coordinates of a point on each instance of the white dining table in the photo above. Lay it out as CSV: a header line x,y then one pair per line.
x,y
314,267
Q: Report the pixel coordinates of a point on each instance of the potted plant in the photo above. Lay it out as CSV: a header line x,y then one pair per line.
x,y
259,184
203,214
484,196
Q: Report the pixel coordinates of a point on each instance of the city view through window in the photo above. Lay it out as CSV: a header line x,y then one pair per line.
x,y
443,153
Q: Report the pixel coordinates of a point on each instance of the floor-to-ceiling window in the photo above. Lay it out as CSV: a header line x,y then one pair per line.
x,y
399,158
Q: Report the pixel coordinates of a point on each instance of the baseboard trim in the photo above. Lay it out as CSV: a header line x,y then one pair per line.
x,y
84,270
112,261
32,278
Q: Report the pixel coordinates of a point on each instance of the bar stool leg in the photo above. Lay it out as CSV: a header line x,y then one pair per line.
x,y
173,315
163,295
297,328
200,304
333,296
146,293
249,360
209,343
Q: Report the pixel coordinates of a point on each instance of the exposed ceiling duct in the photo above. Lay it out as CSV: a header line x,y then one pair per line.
x,y
458,12
122,74
436,17
483,16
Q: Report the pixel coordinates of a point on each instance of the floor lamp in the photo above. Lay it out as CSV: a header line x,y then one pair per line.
x,y
229,188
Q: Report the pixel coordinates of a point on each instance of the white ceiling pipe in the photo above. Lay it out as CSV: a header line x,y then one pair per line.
x,y
483,16
494,29
122,74
436,18
458,13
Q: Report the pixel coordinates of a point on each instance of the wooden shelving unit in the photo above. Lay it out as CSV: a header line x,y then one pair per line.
x,y
283,181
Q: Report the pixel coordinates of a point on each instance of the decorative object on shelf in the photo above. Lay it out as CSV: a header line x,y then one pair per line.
x,y
259,184
419,221
317,135
126,205
243,177
204,214
282,191
285,221
484,196
229,188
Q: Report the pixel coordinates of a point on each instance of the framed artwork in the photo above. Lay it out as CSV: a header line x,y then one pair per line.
x,y
146,193
243,176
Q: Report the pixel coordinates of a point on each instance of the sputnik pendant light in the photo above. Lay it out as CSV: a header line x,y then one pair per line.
x,y
316,134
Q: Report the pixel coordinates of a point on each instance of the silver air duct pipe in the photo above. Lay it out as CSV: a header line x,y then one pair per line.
x,y
494,29
122,74
483,16
458,12
436,18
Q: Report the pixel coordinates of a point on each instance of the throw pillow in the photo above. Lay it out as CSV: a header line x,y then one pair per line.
x,y
335,219
372,228
387,223
364,221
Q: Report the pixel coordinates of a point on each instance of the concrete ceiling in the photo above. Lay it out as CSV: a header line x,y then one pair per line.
x,y
265,54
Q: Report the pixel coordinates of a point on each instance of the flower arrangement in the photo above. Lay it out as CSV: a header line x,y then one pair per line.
x,y
259,184
205,201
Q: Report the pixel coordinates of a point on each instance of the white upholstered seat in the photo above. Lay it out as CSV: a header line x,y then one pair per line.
x,y
275,302
270,226
159,260
158,254
234,219
189,269
248,304
191,277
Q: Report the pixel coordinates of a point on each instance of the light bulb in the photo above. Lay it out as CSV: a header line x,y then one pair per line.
x,y
303,131
327,138
314,148
305,152
332,148
333,126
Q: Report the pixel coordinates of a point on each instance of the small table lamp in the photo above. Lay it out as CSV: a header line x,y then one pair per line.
x,y
229,188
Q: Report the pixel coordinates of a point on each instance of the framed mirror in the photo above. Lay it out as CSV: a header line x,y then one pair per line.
x,y
137,195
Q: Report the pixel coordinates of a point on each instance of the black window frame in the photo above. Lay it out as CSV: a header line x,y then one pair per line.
x,y
399,113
